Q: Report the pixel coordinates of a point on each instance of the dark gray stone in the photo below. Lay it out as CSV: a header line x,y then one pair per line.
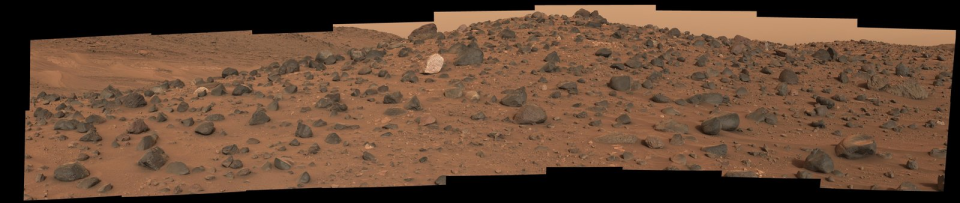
x,y
304,131
332,138
259,117
818,161
205,128
137,127
719,150
153,159
70,172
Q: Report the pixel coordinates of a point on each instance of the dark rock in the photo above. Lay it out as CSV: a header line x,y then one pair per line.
x,y
413,104
741,174
393,98
177,168
394,112
623,119
620,83
856,147
604,52
907,186
88,183
147,142
133,100
66,125
290,89
909,89
877,82
677,139
515,98
70,172
215,117
782,89
720,150
153,159
470,55
367,156
91,136
530,114
137,127
259,117
789,77
552,57
617,138
230,150
205,128
240,90
187,122
671,126
304,178
424,32
303,131
332,138
660,98
702,61
653,142
818,161
727,122
938,153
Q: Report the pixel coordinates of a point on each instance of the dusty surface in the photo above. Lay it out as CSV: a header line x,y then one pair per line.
x,y
456,144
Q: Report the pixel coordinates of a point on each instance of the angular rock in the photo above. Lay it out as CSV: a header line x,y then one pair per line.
x,y
653,142
393,98
620,83
303,131
789,77
134,100
70,172
720,150
515,98
909,89
259,117
88,183
332,138
818,161
671,126
137,127
153,159
178,168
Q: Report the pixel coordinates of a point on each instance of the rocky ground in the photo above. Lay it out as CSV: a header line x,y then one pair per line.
x,y
236,112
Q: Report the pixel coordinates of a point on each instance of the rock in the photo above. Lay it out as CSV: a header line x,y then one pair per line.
x,y
478,116
290,89
617,138
940,183
902,70
66,125
319,123
677,139
314,149
453,93
137,127
604,52
856,146
304,178
819,161
702,61
912,164
303,131
907,186
88,183
205,128
653,142
789,77
105,188
91,136
183,107
469,55
70,172
728,122
515,98
826,102
938,153
783,90
623,119
215,117
424,32
442,180
877,82
228,72
147,142
741,174
530,114
671,126
153,159
240,90
161,117
552,57
660,98
909,89
367,156
434,64
708,98
218,90
413,104
133,100
177,168
570,87
332,138
95,119
259,117
394,112
230,150
620,83
281,164
719,150
393,98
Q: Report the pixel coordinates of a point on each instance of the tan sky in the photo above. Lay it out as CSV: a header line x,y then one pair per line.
x,y
715,23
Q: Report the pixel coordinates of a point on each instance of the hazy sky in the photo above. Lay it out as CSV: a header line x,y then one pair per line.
x,y
715,23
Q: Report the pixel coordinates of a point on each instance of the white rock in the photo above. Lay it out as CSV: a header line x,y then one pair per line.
x,y
434,64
